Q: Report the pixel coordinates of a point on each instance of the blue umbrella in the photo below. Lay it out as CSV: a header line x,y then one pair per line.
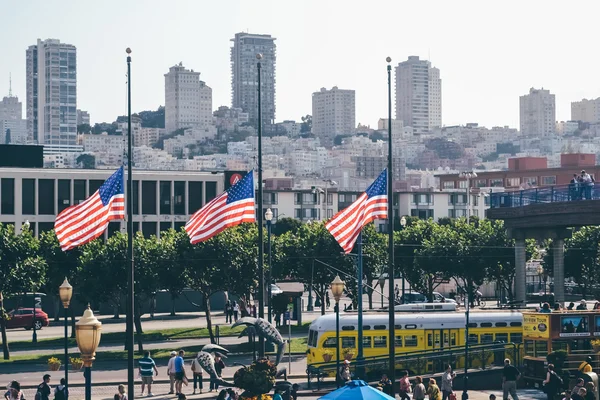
x,y
354,390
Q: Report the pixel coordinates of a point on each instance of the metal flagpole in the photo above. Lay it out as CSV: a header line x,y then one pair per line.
x,y
261,244
130,263
391,295
360,355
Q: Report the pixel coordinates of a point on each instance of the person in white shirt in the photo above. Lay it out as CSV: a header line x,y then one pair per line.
x,y
171,371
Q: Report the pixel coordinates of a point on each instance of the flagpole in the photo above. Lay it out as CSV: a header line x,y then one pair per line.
x,y
261,250
360,356
130,263
390,217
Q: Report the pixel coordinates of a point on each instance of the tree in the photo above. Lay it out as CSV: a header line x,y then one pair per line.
x,y
284,225
374,248
172,273
306,126
86,161
84,129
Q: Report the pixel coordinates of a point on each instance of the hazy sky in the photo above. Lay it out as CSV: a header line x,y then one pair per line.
x,y
488,52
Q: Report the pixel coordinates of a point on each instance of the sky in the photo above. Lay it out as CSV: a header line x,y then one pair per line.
x,y
488,52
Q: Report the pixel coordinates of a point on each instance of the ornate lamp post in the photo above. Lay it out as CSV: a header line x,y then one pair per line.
x,y
337,289
65,292
403,225
269,218
88,330
381,280
468,175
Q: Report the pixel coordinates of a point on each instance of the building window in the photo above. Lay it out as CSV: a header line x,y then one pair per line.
x,y
531,181
46,196
95,185
7,191
298,213
421,214
113,227
179,225
548,180
341,198
79,193
451,213
64,194
448,185
149,197
496,182
179,198
194,196
28,194
480,183
165,197
329,213
211,191
330,199
148,228
462,184
45,227
513,182
165,226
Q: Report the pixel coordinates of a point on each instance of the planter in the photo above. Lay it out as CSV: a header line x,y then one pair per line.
x,y
348,356
327,357
76,366
596,348
54,367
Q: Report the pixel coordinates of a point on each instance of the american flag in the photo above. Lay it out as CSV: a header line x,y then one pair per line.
x,y
346,225
231,208
84,222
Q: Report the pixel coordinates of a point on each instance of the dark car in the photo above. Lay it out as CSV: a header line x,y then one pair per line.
x,y
23,318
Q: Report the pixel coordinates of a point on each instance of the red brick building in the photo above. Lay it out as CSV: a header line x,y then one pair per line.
x,y
527,172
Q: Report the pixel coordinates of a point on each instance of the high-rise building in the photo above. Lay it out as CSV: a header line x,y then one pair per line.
x,y
83,117
11,108
244,76
52,92
418,95
188,101
13,128
586,110
538,113
333,113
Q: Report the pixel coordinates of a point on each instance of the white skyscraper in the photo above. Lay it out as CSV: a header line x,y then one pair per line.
x,y
188,101
418,95
586,111
333,113
538,113
244,75
13,128
51,69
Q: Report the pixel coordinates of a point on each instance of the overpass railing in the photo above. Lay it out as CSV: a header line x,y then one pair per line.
x,y
541,195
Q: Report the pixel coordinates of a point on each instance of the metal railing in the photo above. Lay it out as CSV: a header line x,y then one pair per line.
x,y
541,195
417,362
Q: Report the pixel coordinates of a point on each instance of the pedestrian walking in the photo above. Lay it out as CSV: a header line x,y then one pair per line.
x,y
236,310
419,391
43,389
510,376
147,368
227,307
219,366
328,302
553,383
197,371
61,392
14,392
385,384
404,386
179,372
447,379
171,372
121,392
433,391
344,372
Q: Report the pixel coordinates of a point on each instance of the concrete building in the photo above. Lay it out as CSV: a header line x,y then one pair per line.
x,y
11,108
538,113
333,113
51,69
147,136
586,110
398,131
83,117
188,101
418,95
13,131
566,127
244,78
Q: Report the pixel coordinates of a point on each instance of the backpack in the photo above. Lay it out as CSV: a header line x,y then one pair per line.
x,y
60,394
38,395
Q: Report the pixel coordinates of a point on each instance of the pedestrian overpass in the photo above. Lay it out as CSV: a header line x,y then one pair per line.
x,y
544,213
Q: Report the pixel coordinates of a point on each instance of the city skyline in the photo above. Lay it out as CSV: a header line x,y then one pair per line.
x,y
483,73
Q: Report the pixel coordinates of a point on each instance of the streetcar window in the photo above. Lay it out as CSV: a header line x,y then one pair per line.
x,y
487,338
398,326
473,338
559,345
367,341
516,324
429,339
516,337
366,327
348,342
501,324
453,339
502,337
380,327
410,326
347,328
529,348
379,341
486,325
541,348
411,341
472,324
312,338
398,341
329,342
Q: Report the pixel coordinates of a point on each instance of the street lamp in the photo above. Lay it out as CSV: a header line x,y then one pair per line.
x,y
468,175
403,225
382,279
337,288
269,218
88,330
540,272
65,292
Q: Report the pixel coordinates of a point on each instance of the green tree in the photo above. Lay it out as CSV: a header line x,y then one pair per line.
x,y
306,126
87,161
84,129
284,225
374,248
172,272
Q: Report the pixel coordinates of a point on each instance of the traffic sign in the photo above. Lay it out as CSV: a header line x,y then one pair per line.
x,y
286,316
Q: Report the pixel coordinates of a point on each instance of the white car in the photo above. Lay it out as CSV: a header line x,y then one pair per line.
x,y
275,290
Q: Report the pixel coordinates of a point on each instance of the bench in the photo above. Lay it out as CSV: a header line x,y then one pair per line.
x,y
315,372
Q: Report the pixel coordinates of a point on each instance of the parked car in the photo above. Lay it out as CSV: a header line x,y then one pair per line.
x,y
23,318
421,298
275,290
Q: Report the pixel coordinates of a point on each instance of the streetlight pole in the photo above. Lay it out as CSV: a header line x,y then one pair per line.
x,y
65,292
390,218
337,288
261,244
403,225
268,218
468,175
381,280
310,307
34,337
465,394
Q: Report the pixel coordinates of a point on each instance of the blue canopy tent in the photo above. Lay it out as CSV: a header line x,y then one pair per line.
x,y
354,390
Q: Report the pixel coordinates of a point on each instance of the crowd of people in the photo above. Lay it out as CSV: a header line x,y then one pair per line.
x,y
558,307
581,186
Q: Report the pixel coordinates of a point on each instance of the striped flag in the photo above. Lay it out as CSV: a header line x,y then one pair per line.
x,y
231,208
82,223
346,225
